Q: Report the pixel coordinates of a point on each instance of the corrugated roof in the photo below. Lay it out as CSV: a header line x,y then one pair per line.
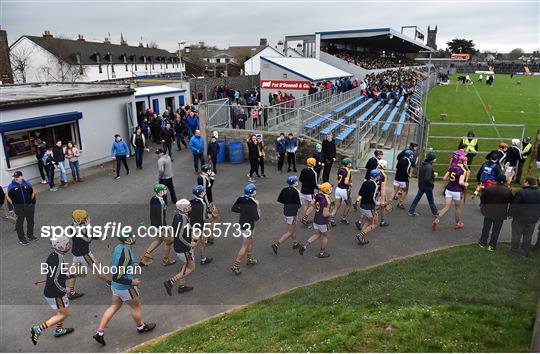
x,y
67,49
156,90
309,68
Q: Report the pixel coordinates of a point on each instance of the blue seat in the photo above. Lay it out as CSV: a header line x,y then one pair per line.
x,y
355,110
400,123
369,111
389,120
332,126
400,101
381,113
347,105
345,133
317,121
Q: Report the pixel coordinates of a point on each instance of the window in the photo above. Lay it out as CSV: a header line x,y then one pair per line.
x,y
21,143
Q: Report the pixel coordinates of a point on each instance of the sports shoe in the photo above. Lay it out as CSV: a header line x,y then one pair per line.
x,y
383,224
24,242
62,332
275,248
184,289
301,250
491,248
323,254
251,261
361,241
252,180
44,182
100,338
333,222
344,221
117,177
401,206
295,245
236,270
206,261
54,189
481,245
32,238
458,226
75,295
168,287
147,327
358,225
435,224
35,332
413,214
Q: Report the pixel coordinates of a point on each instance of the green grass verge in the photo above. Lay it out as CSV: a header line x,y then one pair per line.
x,y
463,299
506,101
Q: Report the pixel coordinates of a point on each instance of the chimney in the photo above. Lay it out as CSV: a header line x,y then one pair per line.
x,y
263,42
107,40
47,34
122,40
80,38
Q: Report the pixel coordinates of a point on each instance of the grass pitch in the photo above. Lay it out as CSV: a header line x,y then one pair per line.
x,y
464,299
508,101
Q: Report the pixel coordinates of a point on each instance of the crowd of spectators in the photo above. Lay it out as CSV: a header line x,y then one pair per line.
x,y
369,60
390,84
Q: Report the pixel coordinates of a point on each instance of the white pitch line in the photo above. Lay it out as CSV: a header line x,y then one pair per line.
x,y
485,109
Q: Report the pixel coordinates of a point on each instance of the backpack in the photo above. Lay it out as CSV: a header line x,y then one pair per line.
x,y
488,172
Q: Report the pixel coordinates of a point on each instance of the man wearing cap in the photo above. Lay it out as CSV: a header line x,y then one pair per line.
x,y
426,182
22,197
525,210
165,173
494,206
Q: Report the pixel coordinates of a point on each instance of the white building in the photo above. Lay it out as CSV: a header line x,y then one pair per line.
x,y
159,98
50,59
252,66
87,114
294,75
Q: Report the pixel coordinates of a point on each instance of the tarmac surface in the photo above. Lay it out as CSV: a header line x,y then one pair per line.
x,y
216,288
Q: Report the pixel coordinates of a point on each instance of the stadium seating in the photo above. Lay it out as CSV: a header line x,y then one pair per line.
x,y
347,105
332,126
381,113
345,134
399,127
389,120
357,109
318,121
369,111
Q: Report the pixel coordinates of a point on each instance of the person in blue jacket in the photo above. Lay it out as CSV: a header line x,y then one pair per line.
x,y
120,153
192,123
196,145
124,288
281,149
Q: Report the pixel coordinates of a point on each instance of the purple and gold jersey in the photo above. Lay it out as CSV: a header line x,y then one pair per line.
x,y
343,176
321,201
454,174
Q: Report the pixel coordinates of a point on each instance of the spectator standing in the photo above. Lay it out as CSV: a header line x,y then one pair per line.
x,y
59,155
471,146
167,138
196,144
138,141
292,147
426,183
72,155
525,210
319,157
329,152
494,203
120,153
242,118
255,116
281,149
213,151
50,165
179,127
165,173
23,199
261,155
40,148
192,123
525,153
253,157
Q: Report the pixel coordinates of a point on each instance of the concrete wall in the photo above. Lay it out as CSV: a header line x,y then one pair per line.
x,y
40,58
101,119
270,71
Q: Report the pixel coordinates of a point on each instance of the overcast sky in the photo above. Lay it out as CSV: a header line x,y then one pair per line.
x,y
491,25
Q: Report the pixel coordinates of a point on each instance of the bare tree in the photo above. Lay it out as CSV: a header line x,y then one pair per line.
x,y
66,65
153,45
20,58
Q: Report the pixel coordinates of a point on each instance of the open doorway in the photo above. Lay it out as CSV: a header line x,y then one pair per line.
x,y
140,108
169,102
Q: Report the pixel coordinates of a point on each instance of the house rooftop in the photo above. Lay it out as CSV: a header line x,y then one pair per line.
x,y
12,96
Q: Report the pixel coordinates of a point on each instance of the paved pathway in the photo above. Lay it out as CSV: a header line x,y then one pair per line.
x,y
216,288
